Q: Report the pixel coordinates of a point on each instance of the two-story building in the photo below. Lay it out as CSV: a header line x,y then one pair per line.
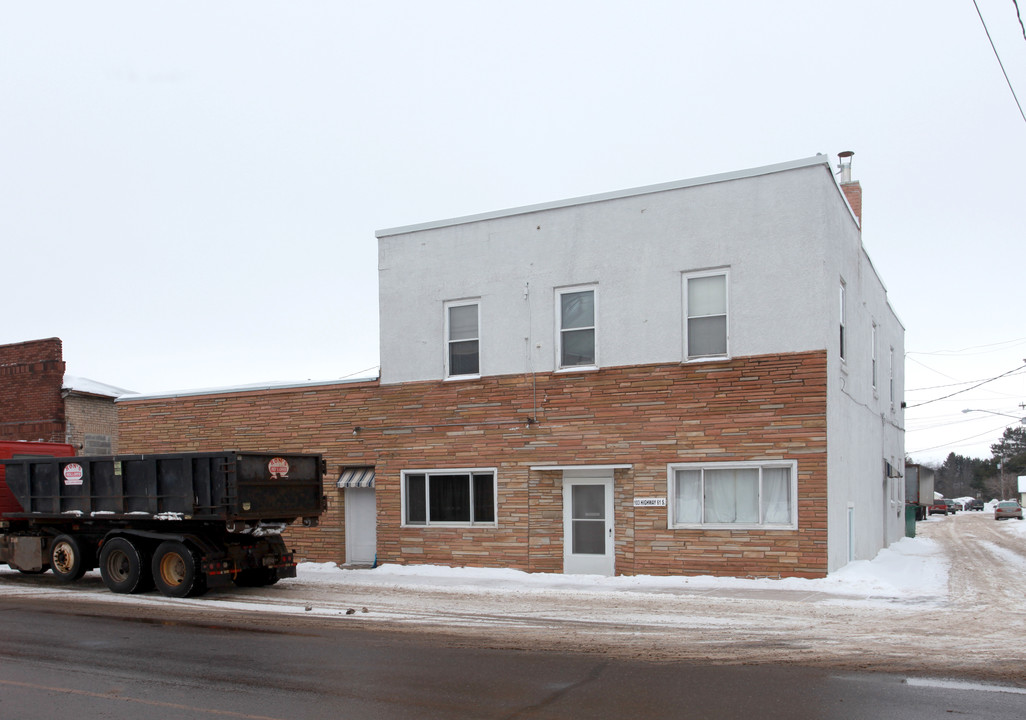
x,y
699,377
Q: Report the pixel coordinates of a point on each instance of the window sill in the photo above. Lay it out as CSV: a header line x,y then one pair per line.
x,y
705,359
458,378
578,368
738,526
449,526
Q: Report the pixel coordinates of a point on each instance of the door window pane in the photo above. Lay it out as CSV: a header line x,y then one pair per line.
x,y
589,502
589,537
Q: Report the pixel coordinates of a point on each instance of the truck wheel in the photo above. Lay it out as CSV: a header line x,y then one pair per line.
x,y
123,567
68,558
176,571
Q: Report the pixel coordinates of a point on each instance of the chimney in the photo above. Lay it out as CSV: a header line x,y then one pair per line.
x,y
852,190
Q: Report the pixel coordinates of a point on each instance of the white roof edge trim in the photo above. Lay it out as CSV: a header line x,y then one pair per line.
x,y
237,389
819,159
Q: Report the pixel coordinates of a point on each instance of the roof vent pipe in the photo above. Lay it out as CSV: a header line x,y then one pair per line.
x,y
844,166
852,190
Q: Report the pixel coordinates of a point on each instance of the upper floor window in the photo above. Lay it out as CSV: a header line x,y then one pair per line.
x,y
577,339
844,348
705,301
875,364
890,379
462,331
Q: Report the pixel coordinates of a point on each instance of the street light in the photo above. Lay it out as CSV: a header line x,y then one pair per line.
x,y
1022,420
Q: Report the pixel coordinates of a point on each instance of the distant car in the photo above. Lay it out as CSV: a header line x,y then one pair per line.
x,y
954,506
1007,509
939,507
975,505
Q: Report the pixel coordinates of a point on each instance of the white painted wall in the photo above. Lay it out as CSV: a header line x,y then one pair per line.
x,y
767,230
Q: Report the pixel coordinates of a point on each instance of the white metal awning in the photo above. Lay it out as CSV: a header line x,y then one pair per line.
x,y
356,477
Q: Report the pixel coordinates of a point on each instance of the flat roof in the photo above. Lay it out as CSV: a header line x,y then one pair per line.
x,y
818,159
237,389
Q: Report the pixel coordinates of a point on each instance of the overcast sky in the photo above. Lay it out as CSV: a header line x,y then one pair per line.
x,y
189,191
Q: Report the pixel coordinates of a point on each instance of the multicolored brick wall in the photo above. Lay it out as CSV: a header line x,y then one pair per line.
x,y
756,408
31,376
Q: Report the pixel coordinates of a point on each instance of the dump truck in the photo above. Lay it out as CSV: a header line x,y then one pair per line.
x,y
180,522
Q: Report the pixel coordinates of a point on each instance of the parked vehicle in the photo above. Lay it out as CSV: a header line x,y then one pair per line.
x,y
182,522
940,507
975,505
1007,509
954,506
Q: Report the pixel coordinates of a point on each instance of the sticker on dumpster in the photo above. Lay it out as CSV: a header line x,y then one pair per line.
x,y
72,474
279,467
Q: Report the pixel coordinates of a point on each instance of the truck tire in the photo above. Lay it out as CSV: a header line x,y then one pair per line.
x,y
68,559
123,567
176,570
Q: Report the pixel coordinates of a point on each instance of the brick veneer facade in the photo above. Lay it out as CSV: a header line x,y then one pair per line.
x,y
756,408
31,375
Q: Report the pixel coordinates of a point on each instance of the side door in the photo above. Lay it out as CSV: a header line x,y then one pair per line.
x,y
588,546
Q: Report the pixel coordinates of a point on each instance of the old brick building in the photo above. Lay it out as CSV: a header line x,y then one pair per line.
x,y
699,377
38,402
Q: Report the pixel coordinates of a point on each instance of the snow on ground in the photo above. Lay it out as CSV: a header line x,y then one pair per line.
x,y
906,610
910,568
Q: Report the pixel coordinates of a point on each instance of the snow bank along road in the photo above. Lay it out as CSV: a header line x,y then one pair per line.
x,y
952,602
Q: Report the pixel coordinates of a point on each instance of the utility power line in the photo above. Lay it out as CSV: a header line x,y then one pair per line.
x,y
1017,104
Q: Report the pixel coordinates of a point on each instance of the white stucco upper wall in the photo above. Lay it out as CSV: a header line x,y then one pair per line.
x,y
775,229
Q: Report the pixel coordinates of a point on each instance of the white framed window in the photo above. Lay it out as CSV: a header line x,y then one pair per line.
x,y
844,339
890,379
875,362
577,329
705,315
449,497
462,339
733,495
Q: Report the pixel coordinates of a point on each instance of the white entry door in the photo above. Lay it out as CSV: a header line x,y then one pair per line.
x,y
361,526
588,524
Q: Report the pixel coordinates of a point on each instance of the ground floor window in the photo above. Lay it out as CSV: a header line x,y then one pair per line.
x,y
749,494
449,497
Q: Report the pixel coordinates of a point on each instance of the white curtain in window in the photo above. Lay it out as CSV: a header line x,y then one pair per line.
x,y
776,496
689,496
732,496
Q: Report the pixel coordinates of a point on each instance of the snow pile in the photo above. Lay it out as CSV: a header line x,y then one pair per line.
x,y
908,569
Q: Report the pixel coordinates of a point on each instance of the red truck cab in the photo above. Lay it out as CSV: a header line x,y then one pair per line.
x,y
19,449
